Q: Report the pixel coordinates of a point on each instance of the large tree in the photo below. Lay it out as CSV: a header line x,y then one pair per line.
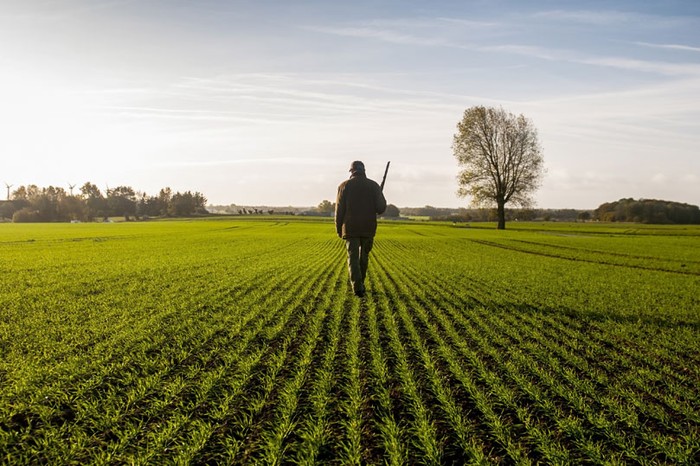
x,y
500,159
187,203
122,201
95,203
326,207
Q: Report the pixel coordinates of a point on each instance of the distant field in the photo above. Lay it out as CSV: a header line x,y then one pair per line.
x,y
238,341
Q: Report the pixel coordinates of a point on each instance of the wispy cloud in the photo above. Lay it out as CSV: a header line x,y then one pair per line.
x,y
612,18
603,18
685,48
383,34
258,161
426,32
470,23
627,125
527,50
664,68
208,115
431,34
261,98
679,69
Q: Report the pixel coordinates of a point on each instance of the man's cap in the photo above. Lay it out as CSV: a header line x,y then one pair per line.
x,y
357,166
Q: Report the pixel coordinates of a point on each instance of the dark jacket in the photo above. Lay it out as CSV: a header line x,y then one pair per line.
x,y
357,205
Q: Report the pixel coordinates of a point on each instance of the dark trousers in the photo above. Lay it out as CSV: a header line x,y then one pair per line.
x,y
358,259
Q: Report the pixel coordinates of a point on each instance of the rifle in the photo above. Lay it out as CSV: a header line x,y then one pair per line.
x,y
385,172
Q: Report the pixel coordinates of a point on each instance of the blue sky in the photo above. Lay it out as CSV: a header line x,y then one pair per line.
x,y
268,102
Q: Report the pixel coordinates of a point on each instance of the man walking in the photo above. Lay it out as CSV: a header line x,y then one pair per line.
x,y
359,202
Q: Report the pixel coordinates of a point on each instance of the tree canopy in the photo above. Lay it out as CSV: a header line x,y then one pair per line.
x,y
326,207
53,204
648,211
391,212
500,158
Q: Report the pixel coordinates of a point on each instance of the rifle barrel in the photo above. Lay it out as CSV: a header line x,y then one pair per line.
x,y
386,170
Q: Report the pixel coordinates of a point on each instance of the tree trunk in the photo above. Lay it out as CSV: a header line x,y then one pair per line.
x,y
501,214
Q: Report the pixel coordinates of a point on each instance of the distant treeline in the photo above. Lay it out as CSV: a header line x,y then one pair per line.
x,y
648,211
624,210
234,209
53,204
490,215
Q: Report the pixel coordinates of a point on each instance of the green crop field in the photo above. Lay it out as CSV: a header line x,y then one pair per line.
x,y
237,341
